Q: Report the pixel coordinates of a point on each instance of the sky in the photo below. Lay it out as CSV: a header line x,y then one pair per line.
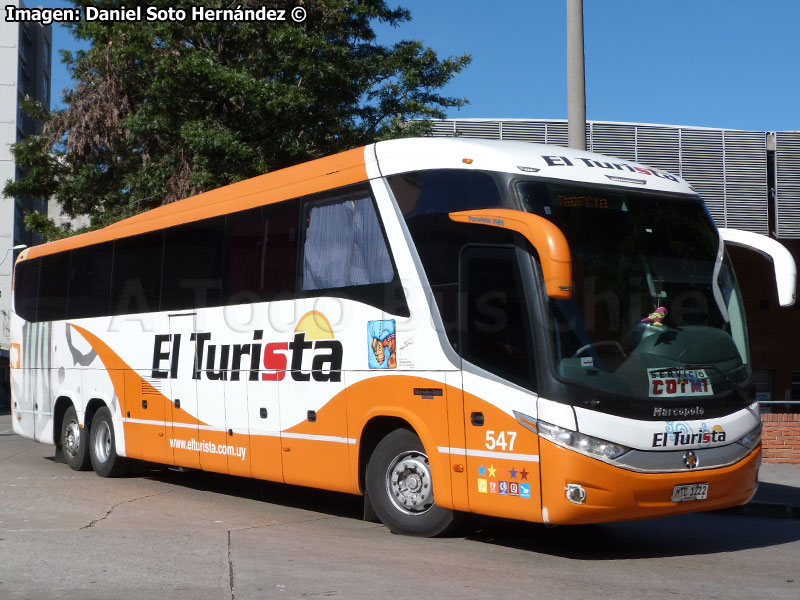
x,y
714,63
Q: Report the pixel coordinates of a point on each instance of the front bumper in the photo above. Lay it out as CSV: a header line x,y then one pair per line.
x,y
616,494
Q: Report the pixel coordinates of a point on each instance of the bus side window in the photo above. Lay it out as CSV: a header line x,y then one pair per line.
x,y
89,281
280,257
53,287
193,265
136,274
495,331
26,288
244,255
261,253
425,198
443,190
344,244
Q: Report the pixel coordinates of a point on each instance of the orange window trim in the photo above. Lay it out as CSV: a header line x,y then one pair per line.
x,y
312,177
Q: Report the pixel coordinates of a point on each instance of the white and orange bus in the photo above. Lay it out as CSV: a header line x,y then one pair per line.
x,y
440,325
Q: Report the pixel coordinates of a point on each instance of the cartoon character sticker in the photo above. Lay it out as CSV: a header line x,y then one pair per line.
x,y
382,342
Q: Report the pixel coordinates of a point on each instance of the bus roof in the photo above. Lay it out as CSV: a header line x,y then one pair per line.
x,y
415,154
393,156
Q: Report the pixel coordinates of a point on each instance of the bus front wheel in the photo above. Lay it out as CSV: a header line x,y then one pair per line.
x,y
102,447
400,487
74,442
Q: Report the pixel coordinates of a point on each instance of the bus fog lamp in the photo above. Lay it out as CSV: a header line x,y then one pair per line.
x,y
575,493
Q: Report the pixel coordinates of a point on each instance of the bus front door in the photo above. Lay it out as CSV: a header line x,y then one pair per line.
x,y
499,378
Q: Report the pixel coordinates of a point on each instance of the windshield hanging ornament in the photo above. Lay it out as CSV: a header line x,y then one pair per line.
x,y
656,318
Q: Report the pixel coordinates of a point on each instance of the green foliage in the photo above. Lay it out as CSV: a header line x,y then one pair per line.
x,y
161,111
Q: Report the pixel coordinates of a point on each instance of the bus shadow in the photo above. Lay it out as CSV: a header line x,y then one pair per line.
x,y
682,535
330,503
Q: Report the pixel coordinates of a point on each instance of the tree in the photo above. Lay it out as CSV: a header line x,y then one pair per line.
x,y
164,110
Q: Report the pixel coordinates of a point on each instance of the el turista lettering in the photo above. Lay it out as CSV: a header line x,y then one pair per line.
x,y
677,438
232,362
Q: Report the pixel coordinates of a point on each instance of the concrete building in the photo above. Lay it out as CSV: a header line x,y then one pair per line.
x,y
25,59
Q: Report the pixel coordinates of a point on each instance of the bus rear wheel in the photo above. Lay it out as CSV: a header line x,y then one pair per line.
x,y
74,442
400,487
102,447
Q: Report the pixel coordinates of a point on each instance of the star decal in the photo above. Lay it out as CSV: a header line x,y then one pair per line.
x,y
512,473
523,475
482,471
492,470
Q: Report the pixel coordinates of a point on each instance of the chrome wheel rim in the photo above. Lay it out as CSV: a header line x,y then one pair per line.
x,y
409,483
102,441
72,438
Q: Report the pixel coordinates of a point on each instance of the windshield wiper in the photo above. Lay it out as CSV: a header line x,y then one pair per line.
x,y
733,385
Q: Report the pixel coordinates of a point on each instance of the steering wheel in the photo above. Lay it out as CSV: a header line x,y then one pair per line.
x,y
611,343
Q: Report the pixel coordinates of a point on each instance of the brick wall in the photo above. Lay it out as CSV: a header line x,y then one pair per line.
x,y
781,437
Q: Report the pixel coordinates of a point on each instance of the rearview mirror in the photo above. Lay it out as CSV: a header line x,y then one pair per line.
x,y
782,260
544,236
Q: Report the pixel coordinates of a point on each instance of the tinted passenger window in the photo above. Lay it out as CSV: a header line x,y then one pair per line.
x,y
444,191
136,276
89,281
425,198
261,253
193,265
244,255
495,329
26,286
280,258
53,287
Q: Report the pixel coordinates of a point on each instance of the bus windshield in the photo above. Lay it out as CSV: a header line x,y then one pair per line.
x,y
656,310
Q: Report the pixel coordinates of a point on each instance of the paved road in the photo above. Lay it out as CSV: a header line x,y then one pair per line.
x,y
169,534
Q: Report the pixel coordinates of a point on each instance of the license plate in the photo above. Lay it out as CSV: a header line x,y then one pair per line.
x,y
692,491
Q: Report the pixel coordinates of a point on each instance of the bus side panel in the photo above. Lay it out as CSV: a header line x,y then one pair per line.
x,y
455,423
34,365
502,456
213,437
237,422
265,427
22,401
97,383
145,412
43,400
405,397
315,452
21,393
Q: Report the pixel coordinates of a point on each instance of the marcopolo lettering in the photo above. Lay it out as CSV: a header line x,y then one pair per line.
x,y
230,362
684,412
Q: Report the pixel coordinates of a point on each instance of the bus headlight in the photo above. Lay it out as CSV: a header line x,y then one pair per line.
x,y
752,439
585,444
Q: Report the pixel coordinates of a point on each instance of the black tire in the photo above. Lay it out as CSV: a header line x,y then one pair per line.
x,y
102,447
74,442
400,488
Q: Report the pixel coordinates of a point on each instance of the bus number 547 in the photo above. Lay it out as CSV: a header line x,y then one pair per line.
x,y
499,441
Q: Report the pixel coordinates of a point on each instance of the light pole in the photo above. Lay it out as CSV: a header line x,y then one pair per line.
x,y
576,78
